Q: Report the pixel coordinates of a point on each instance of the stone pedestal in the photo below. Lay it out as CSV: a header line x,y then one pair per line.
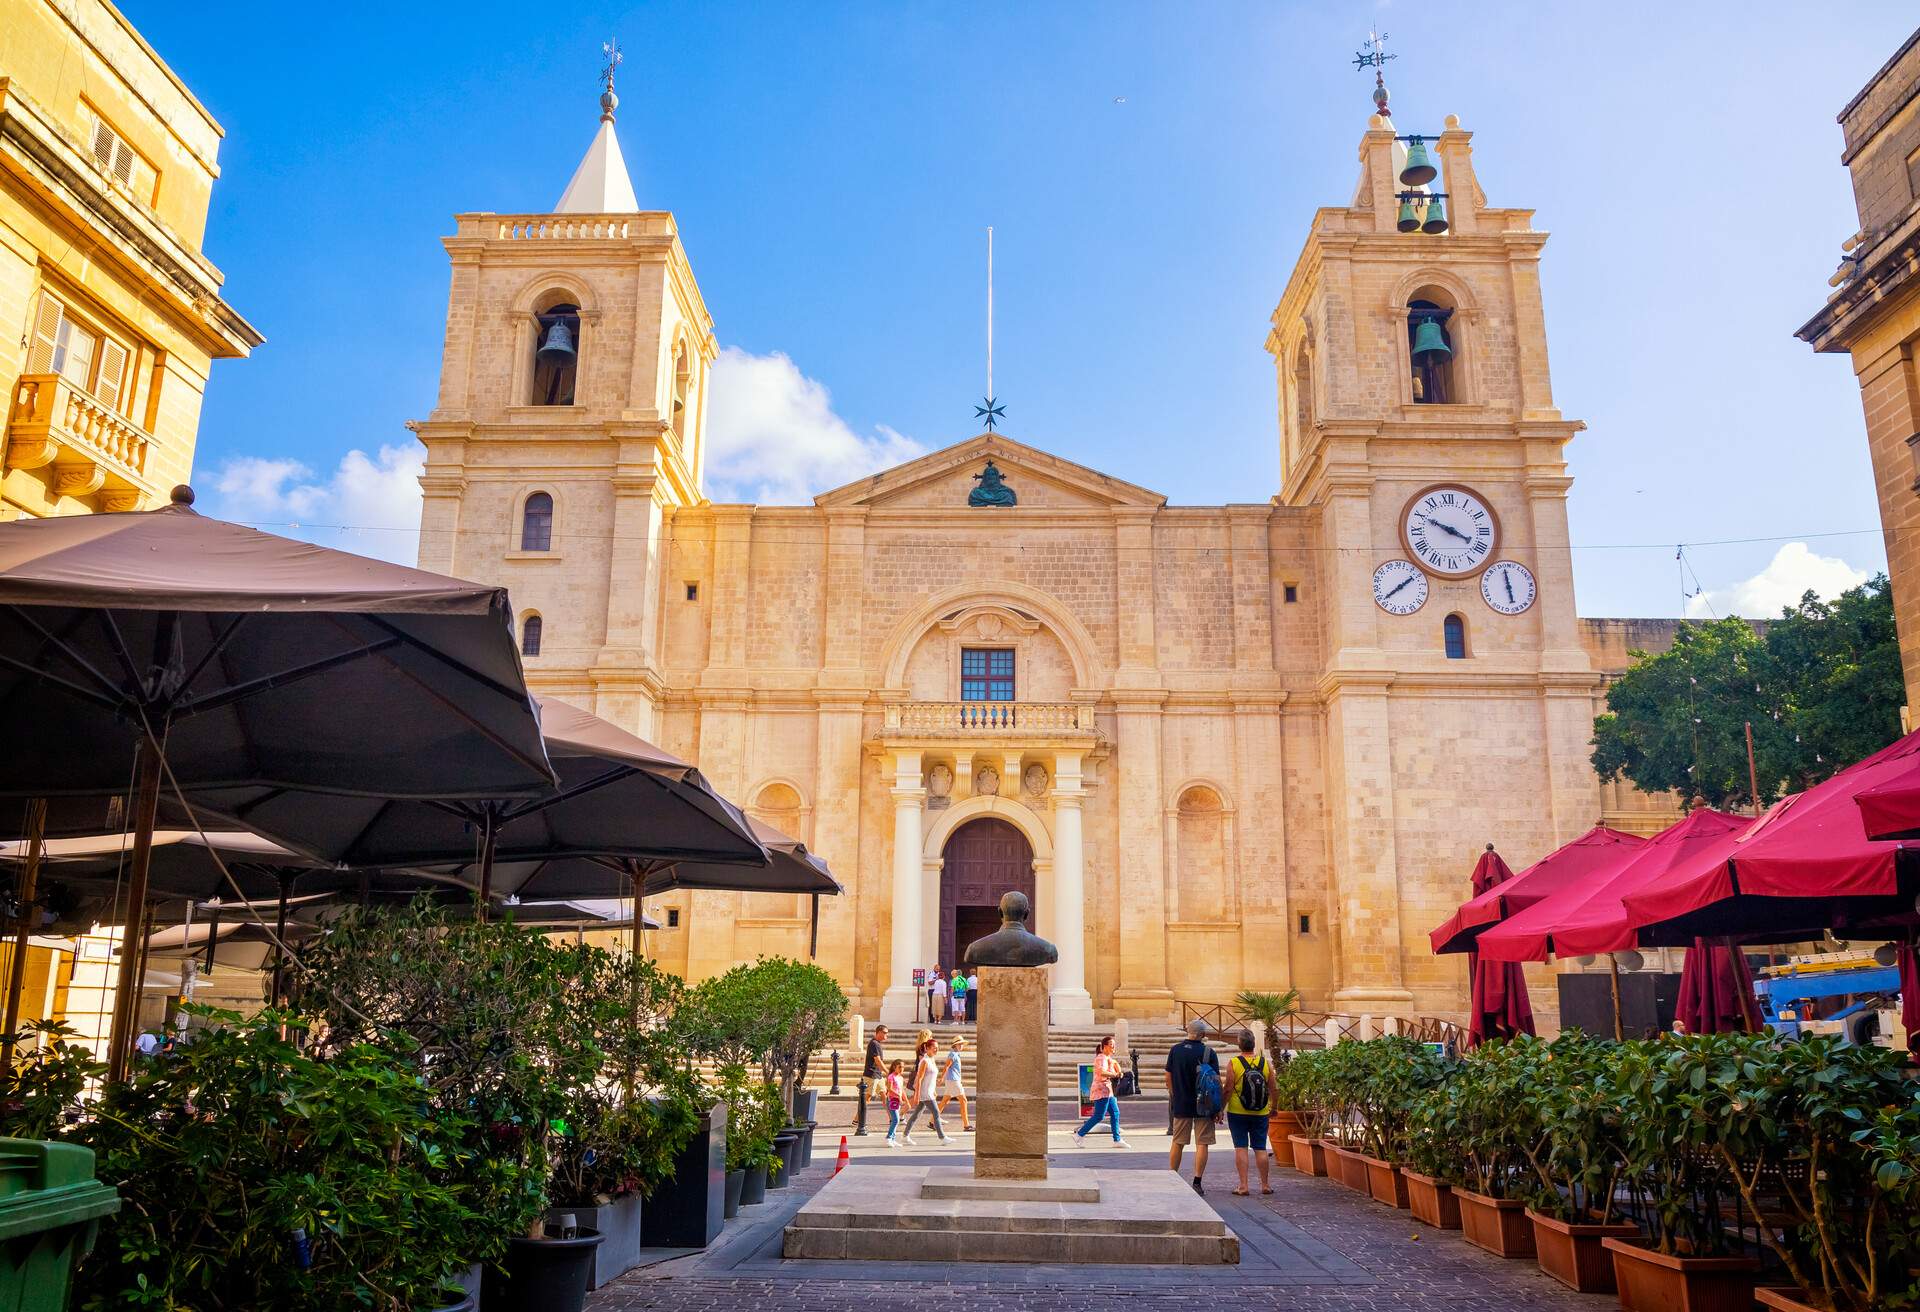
x,y
1010,1071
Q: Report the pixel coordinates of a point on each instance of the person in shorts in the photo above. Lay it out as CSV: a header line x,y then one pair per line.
x,y
872,1075
950,1083
1247,1122
1183,1066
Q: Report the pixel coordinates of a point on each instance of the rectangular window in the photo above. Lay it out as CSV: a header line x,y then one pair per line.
x,y
124,166
1306,923
693,592
673,917
986,674
90,361
1292,593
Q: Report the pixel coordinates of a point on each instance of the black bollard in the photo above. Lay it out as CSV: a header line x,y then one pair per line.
x,y
836,1072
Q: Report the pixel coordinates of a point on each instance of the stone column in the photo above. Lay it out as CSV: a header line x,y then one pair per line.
x,y
1072,1004
897,1007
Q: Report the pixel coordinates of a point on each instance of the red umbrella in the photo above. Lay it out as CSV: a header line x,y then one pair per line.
x,y
1804,866
1910,995
1590,917
1500,1008
1600,848
1716,991
1891,808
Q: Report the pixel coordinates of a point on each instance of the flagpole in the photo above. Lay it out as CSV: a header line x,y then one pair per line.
x,y
989,309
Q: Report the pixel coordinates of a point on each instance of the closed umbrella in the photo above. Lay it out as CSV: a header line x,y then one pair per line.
x,y
1498,1003
1910,995
1716,991
162,646
1599,848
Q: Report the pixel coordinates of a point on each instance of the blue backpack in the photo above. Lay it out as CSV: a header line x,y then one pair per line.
x,y
1208,1097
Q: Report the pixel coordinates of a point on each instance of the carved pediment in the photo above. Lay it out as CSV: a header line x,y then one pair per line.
x,y
945,479
987,623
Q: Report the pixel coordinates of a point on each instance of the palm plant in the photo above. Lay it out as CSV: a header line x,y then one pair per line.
x,y
1267,1009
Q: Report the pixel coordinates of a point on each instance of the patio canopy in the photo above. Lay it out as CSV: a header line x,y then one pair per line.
x,y
1804,867
1599,848
789,869
1590,917
619,796
1890,807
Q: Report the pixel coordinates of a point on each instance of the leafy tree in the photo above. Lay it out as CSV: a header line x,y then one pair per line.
x,y
774,1014
1821,687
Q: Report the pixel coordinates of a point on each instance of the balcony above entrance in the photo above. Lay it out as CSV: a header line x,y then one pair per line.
x,y
996,720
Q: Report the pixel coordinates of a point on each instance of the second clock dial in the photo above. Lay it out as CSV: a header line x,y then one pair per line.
x,y
1399,588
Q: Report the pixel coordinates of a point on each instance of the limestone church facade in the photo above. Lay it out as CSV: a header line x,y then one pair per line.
x,y
1232,746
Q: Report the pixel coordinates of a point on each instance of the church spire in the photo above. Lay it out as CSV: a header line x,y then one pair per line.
x,y
602,185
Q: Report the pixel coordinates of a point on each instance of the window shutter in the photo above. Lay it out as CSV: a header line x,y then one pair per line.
x,y
123,163
103,142
113,373
46,333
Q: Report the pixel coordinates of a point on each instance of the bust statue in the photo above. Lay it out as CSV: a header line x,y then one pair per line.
x,y
1012,944
992,491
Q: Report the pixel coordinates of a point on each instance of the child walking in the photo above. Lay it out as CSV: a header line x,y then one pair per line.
x,y
896,1092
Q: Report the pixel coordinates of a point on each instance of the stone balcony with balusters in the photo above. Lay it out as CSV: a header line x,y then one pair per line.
x,y
990,719
91,448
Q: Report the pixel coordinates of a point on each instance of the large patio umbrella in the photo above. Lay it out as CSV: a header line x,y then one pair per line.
x,y
1804,867
1589,917
1599,848
1890,807
1716,991
1498,1004
618,796
162,646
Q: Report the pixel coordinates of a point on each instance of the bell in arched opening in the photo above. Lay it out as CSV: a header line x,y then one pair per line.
x,y
556,355
1430,341
558,346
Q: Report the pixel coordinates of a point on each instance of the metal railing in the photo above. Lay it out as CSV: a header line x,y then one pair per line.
x,y
1309,1029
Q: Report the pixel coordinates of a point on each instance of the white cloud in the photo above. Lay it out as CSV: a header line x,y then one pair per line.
x,y
369,505
773,438
1794,570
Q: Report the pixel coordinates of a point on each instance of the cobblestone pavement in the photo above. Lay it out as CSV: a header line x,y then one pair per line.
x,y
1312,1245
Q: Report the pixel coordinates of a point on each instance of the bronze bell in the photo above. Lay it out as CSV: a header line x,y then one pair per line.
x,y
558,348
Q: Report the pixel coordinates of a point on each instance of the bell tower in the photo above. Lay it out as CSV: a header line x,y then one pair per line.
x,y
1420,442
569,424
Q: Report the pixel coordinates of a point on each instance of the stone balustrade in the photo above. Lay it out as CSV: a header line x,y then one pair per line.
x,y
574,227
89,445
990,719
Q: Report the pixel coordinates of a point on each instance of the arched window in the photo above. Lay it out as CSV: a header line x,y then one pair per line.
x,y
536,523
556,354
1302,397
530,635
1455,632
1430,347
682,382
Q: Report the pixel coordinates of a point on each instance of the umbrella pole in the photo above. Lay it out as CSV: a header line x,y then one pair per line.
x,y
126,1000
813,929
490,837
1613,967
280,939
17,968
213,937
639,947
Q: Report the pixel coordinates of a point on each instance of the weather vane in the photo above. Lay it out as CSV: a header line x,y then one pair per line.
x,y
1375,57
611,49
992,412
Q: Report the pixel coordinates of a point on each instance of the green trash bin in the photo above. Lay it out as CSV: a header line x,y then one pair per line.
x,y
50,1210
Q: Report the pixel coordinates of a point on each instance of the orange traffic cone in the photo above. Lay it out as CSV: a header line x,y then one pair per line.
x,y
839,1165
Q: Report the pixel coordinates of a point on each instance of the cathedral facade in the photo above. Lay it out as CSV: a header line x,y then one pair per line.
x,y
1222,747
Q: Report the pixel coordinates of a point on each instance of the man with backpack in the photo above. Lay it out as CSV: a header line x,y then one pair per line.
x,y
1249,1099
1194,1097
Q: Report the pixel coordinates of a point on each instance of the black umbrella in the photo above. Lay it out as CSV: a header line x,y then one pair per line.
x,y
164,646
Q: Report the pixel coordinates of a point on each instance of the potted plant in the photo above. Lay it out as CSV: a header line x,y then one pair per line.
x,y
1394,1075
1668,1092
254,1175
1340,1077
629,1112
1483,1113
1305,1076
754,1116
1267,1010
1578,1161
1431,1166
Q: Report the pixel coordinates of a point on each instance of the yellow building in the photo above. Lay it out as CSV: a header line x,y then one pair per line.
x,y
112,315
1252,745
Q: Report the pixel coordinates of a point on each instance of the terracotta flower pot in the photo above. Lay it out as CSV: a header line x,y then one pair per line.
x,y
1385,1182
1309,1155
1658,1282
1346,1166
1281,1126
1431,1200
1570,1251
1787,1298
1498,1225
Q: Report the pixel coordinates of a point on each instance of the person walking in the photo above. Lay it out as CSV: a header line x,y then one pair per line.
x,y
1193,1098
950,1085
973,997
1249,1097
937,998
872,1075
1106,1069
957,996
924,1079
896,1093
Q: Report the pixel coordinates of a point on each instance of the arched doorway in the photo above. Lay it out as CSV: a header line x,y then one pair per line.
x,y
983,860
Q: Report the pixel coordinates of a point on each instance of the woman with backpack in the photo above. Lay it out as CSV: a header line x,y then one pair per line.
x,y
1249,1099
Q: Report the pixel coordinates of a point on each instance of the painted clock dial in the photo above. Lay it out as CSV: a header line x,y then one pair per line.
x,y
1450,530
1399,588
1507,586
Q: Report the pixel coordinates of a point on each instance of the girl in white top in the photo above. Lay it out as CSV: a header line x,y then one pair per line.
x,y
950,1085
925,1077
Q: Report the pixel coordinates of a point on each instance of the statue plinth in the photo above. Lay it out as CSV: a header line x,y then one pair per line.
x,y
1011,1070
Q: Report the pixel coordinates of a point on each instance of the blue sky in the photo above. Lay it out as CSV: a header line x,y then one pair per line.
x,y
1150,171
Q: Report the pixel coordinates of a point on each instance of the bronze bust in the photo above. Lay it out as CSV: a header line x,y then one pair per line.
x,y
1012,944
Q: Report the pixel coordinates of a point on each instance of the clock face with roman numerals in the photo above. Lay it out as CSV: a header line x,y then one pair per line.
x,y
1450,530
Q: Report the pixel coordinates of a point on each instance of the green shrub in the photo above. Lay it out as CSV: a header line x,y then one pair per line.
x,y
229,1150
40,1096
755,1114
774,1015
1579,1154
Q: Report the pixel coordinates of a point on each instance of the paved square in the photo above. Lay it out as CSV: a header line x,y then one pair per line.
x,y
1312,1245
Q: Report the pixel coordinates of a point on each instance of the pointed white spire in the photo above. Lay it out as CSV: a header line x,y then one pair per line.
x,y
602,185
